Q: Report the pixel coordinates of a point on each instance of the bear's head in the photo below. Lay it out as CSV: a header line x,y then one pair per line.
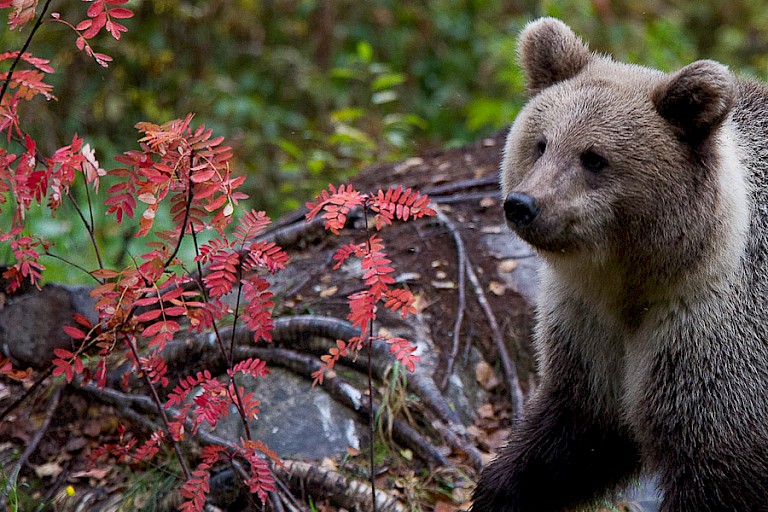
x,y
618,163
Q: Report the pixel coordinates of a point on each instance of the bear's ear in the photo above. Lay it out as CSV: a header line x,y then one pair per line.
x,y
549,52
696,99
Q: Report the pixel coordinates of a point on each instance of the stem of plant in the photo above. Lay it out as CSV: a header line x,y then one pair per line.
x,y
371,417
39,22
228,357
161,410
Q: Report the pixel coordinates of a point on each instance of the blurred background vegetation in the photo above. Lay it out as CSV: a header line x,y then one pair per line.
x,y
310,91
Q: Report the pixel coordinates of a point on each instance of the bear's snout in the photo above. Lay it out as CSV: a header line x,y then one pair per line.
x,y
520,209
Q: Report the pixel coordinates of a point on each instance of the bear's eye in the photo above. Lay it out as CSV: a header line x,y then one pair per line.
x,y
593,161
541,147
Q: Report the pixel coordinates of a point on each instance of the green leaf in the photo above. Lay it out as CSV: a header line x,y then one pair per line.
x,y
347,115
365,51
387,81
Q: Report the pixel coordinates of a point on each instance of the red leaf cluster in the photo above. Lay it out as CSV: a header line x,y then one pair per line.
x,y
394,203
180,163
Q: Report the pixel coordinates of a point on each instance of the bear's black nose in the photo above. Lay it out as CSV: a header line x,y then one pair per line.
x,y
520,209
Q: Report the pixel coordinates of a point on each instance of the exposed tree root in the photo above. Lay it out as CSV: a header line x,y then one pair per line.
x,y
346,394
302,331
462,266
510,372
340,491
299,477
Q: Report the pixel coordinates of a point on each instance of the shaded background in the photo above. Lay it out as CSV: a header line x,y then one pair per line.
x,y
310,91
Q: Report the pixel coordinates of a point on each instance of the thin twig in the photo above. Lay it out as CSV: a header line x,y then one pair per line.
x,y
72,264
510,372
161,410
23,50
464,198
462,267
53,404
88,227
187,209
455,186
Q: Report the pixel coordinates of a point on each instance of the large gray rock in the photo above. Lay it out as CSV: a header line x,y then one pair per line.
x,y
31,324
297,420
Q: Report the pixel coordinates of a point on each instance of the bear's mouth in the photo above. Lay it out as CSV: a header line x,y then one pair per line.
x,y
544,239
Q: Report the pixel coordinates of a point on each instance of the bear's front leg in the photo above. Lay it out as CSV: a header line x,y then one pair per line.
x,y
559,456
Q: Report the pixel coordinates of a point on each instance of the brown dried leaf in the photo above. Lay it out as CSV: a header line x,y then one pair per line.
x,y
329,292
497,288
485,411
485,376
506,266
49,469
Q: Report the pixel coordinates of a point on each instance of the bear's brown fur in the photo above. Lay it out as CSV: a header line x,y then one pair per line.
x,y
646,195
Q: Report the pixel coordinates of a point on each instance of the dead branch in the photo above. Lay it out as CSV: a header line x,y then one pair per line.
x,y
455,186
340,491
462,266
458,443
315,335
510,372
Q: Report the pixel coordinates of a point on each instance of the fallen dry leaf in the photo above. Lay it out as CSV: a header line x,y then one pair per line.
x,y
486,411
445,506
95,473
487,202
49,469
497,288
485,376
329,292
506,266
497,439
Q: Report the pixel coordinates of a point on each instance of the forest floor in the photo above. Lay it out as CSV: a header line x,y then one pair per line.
x,y
57,426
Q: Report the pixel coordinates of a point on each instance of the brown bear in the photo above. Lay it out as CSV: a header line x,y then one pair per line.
x,y
646,195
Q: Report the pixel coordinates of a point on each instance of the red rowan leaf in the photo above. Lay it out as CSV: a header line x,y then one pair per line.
x,y
400,300
82,320
23,12
105,273
73,332
252,224
121,13
63,353
96,8
148,315
345,252
251,366
7,369
403,351
336,204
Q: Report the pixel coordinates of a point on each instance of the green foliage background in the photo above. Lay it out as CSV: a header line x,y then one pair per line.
x,y
310,91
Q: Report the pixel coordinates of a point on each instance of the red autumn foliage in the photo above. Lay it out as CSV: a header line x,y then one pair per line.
x,y
394,203
186,171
